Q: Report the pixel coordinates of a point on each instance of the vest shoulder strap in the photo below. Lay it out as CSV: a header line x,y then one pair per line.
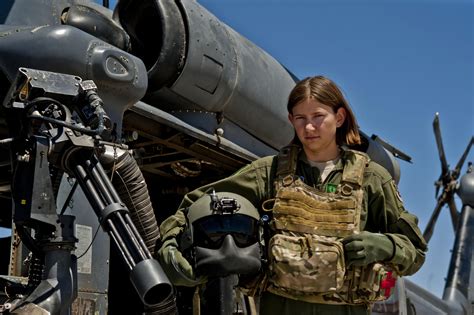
x,y
287,160
354,167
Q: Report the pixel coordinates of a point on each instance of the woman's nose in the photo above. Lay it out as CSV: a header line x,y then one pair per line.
x,y
309,126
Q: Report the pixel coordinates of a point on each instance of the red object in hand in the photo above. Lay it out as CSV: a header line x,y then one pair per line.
x,y
388,283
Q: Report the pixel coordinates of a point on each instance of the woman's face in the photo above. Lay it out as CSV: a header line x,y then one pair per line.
x,y
315,125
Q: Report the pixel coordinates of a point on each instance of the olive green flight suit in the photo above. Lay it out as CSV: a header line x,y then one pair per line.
x,y
382,212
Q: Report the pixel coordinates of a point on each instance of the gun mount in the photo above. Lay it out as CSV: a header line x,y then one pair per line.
x,y
57,122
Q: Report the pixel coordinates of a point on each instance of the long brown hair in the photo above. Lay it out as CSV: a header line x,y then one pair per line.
x,y
328,93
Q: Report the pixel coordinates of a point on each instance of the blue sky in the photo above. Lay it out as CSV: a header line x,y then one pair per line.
x,y
398,62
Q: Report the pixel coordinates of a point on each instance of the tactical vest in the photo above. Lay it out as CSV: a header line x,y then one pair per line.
x,y
306,256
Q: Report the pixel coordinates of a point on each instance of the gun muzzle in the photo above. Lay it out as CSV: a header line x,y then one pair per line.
x,y
151,283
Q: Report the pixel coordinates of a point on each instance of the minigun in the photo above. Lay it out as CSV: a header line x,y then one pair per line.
x,y
57,123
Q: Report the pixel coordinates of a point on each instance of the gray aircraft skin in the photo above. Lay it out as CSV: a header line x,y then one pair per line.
x,y
187,101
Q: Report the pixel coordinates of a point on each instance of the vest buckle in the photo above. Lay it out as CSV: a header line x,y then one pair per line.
x,y
287,180
346,189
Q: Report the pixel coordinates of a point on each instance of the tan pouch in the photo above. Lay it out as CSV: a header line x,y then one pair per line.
x,y
305,263
373,284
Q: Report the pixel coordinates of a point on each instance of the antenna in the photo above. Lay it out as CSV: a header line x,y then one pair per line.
x,y
446,183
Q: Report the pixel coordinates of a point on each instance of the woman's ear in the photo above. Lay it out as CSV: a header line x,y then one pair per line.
x,y
340,116
290,118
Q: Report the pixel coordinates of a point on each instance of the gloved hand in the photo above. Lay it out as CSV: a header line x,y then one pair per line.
x,y
176,267
366,247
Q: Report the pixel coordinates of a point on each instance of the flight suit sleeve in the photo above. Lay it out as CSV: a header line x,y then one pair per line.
x,y
176,267
397,224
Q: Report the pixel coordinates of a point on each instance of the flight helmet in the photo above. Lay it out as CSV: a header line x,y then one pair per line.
x,y
223,235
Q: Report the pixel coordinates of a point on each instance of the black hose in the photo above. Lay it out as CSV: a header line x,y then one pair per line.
x,y
130,184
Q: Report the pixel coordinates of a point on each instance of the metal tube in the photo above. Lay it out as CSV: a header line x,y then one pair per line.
x,y
101,190
121,244
107,181
89,190
132,238
138,236
125,259
99,181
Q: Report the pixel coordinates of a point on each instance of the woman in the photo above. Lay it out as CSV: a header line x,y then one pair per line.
x,y
337,221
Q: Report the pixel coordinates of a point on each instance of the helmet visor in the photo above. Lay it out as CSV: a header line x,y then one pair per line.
x,y
210,231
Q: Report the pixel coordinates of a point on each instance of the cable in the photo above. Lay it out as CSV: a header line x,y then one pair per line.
x,y
90,245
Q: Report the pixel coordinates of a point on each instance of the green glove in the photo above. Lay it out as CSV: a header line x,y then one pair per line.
x,y
366,247
176,267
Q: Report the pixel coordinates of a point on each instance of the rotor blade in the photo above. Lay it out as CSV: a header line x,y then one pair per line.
x,y
439,142
457,170
431,223
454,213
438,184
396,152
